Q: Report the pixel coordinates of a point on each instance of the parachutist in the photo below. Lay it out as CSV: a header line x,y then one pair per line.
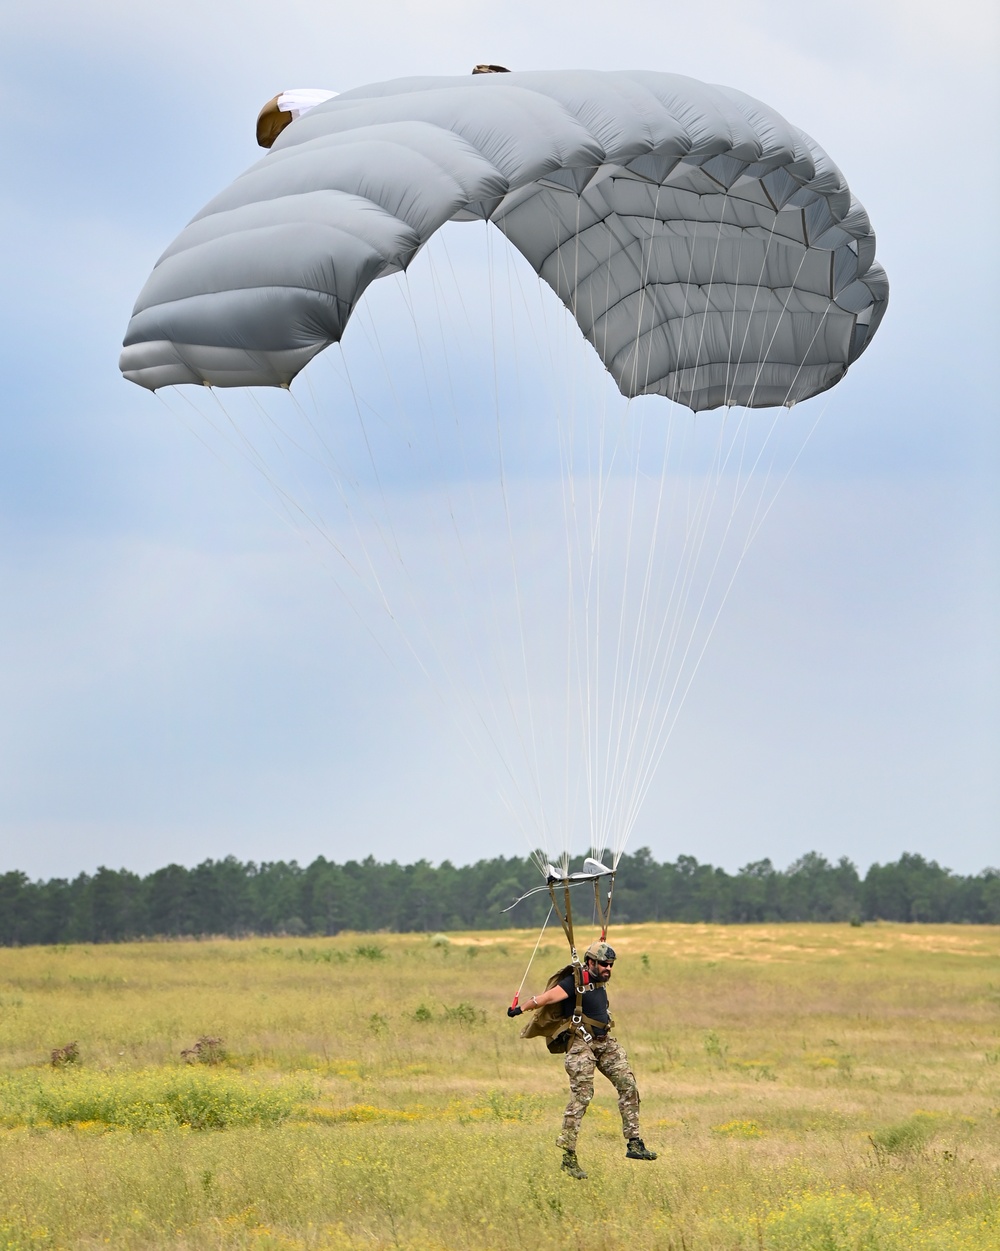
x,y
576,1018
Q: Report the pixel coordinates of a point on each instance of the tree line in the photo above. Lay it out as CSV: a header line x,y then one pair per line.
x,y
231,897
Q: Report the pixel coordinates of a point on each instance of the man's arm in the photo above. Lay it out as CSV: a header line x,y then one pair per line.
x,y
539,1001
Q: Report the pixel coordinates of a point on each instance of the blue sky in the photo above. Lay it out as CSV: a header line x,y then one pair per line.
x,y
181,679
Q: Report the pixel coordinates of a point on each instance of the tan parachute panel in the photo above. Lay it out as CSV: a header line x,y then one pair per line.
x,y
271,121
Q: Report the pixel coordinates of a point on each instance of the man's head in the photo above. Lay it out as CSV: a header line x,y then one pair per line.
x,y
600,957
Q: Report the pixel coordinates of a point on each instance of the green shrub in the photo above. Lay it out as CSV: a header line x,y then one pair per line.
x,y
465,1014
904,1139
148,1099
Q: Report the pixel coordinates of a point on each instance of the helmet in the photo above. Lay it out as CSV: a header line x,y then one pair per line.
x,y
600,952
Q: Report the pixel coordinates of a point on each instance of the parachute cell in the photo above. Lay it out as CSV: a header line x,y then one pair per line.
x,y
708,250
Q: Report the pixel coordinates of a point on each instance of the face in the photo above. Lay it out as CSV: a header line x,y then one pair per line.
x,y
598,971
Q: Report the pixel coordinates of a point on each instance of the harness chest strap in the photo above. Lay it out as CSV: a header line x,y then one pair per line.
x,y
580,1018
604,1026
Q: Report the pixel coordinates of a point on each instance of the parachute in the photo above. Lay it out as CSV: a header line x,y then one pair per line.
x,y
708,252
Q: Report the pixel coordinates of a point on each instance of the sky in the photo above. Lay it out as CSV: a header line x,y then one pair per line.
x,y
180,677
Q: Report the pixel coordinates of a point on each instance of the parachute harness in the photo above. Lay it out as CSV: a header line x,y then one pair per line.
x,y
578,1020
563,909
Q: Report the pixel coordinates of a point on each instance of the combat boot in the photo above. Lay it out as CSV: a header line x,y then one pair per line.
x,y
637,1150
571,1165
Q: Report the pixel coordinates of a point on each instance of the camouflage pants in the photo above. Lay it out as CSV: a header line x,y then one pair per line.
x,y
582,1058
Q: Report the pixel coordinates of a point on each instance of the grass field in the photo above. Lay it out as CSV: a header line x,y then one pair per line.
x,y
806,1086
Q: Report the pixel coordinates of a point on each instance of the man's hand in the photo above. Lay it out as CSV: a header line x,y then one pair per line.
x,y
514,1011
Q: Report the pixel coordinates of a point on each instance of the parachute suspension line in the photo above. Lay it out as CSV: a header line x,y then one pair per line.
x,y
371,331
762,360
676,386
577,649
371,459
759,519
760,512
444,357
568,426
617,698
283,439
625,701
393,547
597,773
675,626
176,392
528,754
531,758
631,704
232,434
603,910
340,478
585,643
769,442
423,643
710,632
637,688
290,509
656,738
565,915
526,746
571,495
567,441
659,734
532,806
384,526
513,278
443,360
642,690
597,477
251,452
805,355
762,509
531,959
601,825
575,436
730,376
578,499
529,746
708,297
383,522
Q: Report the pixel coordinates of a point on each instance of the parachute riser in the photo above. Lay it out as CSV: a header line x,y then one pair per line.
x,y
564,911
604,911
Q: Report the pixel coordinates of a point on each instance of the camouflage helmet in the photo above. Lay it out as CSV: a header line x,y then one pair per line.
x,y
600,952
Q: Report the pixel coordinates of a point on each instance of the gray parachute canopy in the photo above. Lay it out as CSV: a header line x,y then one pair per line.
x,y
709,251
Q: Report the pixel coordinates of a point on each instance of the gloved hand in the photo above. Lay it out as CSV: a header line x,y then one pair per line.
x,y
514,1011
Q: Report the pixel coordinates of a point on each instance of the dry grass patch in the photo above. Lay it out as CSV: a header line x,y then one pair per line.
x,y
807,1087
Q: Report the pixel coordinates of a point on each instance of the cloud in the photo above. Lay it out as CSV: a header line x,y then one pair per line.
x,y
184,678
